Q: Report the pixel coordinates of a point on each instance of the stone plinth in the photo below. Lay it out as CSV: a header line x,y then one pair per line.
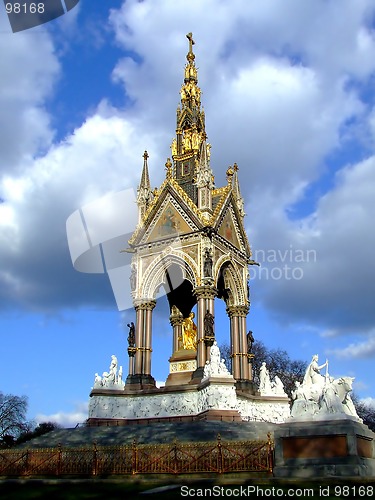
x,y
214,395
182,364
215,398
330,448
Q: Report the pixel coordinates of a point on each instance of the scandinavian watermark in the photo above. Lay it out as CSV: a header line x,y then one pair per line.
x,y
276,264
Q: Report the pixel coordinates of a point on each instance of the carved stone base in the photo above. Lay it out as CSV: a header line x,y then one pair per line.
x,y
221,415
208,392
197,376
181,366
140,381
246,386
338,448
262,408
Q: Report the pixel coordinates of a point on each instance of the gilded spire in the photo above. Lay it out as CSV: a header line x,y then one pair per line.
x,y
144,192
190,92
190,128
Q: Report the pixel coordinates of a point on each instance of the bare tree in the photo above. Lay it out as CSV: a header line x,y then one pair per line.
x,y
365,411
39,430
12,417
278,363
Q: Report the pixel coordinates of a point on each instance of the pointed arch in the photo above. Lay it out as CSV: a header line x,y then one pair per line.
x,y
155,273
230,283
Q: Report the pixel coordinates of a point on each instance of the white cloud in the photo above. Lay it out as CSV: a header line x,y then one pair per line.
x,y
66,419
336,288
103,155
369,401
29,69
364,349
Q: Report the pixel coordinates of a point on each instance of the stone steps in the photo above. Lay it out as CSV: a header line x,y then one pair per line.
x,y
153,433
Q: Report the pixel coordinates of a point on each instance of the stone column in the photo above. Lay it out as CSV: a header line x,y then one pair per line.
x,y
147,336
240,365
234,342
131,362
139,326
244,360
205,301
141,373
176,319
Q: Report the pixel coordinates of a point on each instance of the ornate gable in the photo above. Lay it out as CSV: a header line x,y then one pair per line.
x,y
171,214
228,229
229,225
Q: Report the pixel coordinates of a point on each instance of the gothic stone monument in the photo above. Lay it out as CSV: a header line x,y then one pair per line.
x,y
191,240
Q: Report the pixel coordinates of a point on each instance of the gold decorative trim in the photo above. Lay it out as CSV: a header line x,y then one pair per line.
x,y
182,366
145,306
224,191
239,311
219,191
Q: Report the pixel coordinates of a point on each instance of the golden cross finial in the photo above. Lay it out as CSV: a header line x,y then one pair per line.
x,y
145,155
189,36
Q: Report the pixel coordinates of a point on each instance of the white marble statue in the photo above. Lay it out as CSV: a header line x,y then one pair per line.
x,y
98,381
321,397
265,387
278,387
113,368
216,366
268,387
111,379
312,375
119,376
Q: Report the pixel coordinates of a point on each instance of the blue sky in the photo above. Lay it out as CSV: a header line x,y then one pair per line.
x,y
288,90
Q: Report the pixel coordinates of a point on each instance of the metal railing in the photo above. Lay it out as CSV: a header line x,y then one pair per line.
x,y
173,458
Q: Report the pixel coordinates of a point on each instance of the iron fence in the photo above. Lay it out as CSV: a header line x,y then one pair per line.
x,y
172,458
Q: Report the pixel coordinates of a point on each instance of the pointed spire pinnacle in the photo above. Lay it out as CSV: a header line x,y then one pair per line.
x,y
204,174
144,193
145,178
236,191
190,129
190,92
